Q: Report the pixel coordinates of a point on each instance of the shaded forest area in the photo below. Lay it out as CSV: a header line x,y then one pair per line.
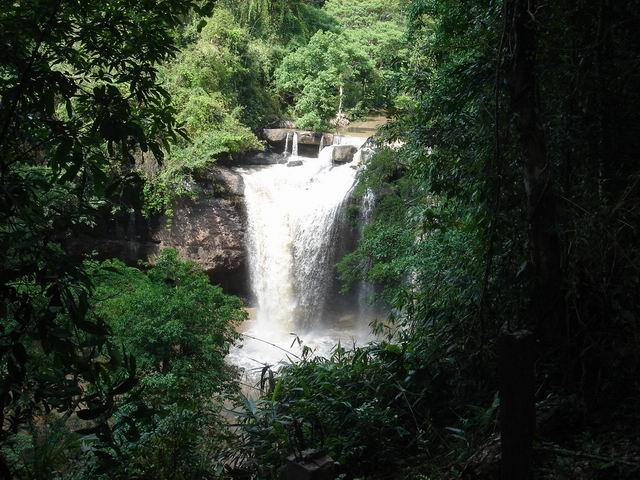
x,y
507,201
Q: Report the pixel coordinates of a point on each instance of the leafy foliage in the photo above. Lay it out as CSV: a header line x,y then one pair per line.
x,y
450,239
281,20
166,421
318,74
349,70
133,370
218,89
379,29
180,328
80,94
374,409
174,321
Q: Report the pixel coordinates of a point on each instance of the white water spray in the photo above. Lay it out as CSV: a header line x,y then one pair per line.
x,y
294,218
286,144
366,290
294,148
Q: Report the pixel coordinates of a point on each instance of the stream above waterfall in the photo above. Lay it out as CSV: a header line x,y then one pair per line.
x,y
297,230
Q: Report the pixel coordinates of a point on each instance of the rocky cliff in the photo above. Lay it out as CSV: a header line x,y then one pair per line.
x,y
207,227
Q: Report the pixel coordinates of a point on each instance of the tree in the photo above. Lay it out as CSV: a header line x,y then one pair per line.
x,y
177,324
80,94
180,328
219,94
320,76
281,20
377,28
543,242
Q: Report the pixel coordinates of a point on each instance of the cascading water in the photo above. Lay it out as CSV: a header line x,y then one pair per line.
x,y
294,148
294,218
366,290
321,145
286,143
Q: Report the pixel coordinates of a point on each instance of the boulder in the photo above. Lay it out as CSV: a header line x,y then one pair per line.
x,y
259,158
308,138
310,465
343,153
276,134
220,180
328,139
294,163
274,121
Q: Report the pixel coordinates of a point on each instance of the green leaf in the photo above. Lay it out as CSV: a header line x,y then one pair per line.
x,y
157,151
92,413
93,327
62,154
125,386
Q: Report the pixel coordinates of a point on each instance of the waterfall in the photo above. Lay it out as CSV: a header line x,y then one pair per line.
x,y
366,290
286,144
294,218
294,148
321,145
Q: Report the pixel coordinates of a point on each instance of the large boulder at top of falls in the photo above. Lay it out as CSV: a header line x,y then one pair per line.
x,y
208,227
276,134
313,138
223,181
279,135
343,153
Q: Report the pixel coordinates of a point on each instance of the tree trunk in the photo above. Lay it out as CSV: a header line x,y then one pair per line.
x,y
543,244
517,404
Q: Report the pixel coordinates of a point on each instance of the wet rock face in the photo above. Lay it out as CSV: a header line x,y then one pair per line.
x,y
276,134
208,228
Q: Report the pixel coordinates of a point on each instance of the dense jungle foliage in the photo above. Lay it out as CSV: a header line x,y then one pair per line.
x,y
507,199
254,64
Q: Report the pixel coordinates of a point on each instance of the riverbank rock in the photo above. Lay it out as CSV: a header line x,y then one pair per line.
x,y
294,163
276,134
255,157
343,153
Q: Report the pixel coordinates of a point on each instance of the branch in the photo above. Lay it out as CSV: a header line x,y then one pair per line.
x,y
272,344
